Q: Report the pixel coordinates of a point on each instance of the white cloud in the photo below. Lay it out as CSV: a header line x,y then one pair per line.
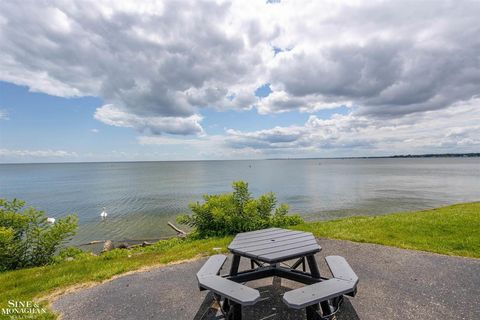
x,y
281,101
389,58
351,134
9,153
94,130
3,115
114,116
206,147
395,64
158,60
169,58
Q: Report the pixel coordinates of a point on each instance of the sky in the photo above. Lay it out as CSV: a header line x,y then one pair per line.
x,y
193,80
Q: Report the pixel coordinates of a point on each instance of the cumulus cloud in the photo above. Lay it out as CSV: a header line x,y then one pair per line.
x,y
388,58
352,134
162,59
114,116
157,64
169,58
10,153
281,101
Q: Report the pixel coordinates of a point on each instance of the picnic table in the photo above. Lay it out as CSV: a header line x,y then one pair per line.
x,y
273,246
268,251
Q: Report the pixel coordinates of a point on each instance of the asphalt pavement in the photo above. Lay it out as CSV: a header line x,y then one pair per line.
x,y
394,284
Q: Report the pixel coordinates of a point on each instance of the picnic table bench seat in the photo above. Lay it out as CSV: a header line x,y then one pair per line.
x,y
212,267
344,282
231,290
340,269
316,293
234,294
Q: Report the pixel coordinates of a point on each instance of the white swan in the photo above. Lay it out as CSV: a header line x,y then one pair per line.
x,y
104,213
51,220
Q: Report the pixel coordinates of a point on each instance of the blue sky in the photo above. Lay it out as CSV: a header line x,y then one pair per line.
x,y
236,80
37,121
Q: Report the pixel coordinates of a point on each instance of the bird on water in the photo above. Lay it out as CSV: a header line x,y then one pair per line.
x,y
104,213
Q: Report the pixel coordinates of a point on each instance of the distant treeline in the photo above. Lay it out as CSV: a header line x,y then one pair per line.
x,y
441,155
429,155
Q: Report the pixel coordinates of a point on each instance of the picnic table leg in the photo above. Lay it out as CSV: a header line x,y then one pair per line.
x,y
235,312
312,264
235,265
312,312
254,262
226,306
299,262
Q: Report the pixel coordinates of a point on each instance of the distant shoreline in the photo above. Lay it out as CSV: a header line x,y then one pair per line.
x,y
401,156
428,155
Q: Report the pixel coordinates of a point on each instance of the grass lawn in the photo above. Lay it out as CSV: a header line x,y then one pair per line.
x,y
452,230
34,283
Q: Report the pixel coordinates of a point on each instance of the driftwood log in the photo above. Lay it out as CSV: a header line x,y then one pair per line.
x,y
180,233
108,245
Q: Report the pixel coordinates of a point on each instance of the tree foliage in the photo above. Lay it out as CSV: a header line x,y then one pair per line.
x,y
26,238
231,213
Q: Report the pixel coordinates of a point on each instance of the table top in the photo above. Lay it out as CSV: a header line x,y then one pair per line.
x,y
274,245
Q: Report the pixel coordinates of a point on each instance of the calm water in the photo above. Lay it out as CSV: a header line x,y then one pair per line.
x,y
142,197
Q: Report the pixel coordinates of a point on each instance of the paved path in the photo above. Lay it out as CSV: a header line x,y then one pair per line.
x,y
394,284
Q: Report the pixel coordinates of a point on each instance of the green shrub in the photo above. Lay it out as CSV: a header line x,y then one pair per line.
x,y
70,254
235,212
26,238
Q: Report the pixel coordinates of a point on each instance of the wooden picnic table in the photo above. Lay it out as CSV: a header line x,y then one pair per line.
x,y
273,246
268,251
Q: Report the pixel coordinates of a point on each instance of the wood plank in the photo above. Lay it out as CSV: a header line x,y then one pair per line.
x,y
263,235
340,269
289,254
253,233
281,241
231,290
212,266
266,237
266,242
316,293
260,232
283,248
242,236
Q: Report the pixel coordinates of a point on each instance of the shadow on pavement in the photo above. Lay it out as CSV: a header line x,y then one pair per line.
x,y
270,307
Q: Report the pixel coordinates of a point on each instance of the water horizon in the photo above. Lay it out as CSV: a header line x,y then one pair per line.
x,y
141,196
400,156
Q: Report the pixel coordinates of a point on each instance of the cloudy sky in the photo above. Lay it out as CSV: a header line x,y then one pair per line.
x,y
182,80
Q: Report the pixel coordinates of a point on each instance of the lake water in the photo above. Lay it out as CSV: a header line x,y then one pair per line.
x,y
141,197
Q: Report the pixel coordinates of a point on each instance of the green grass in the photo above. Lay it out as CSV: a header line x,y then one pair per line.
x,y
34,283
452,230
